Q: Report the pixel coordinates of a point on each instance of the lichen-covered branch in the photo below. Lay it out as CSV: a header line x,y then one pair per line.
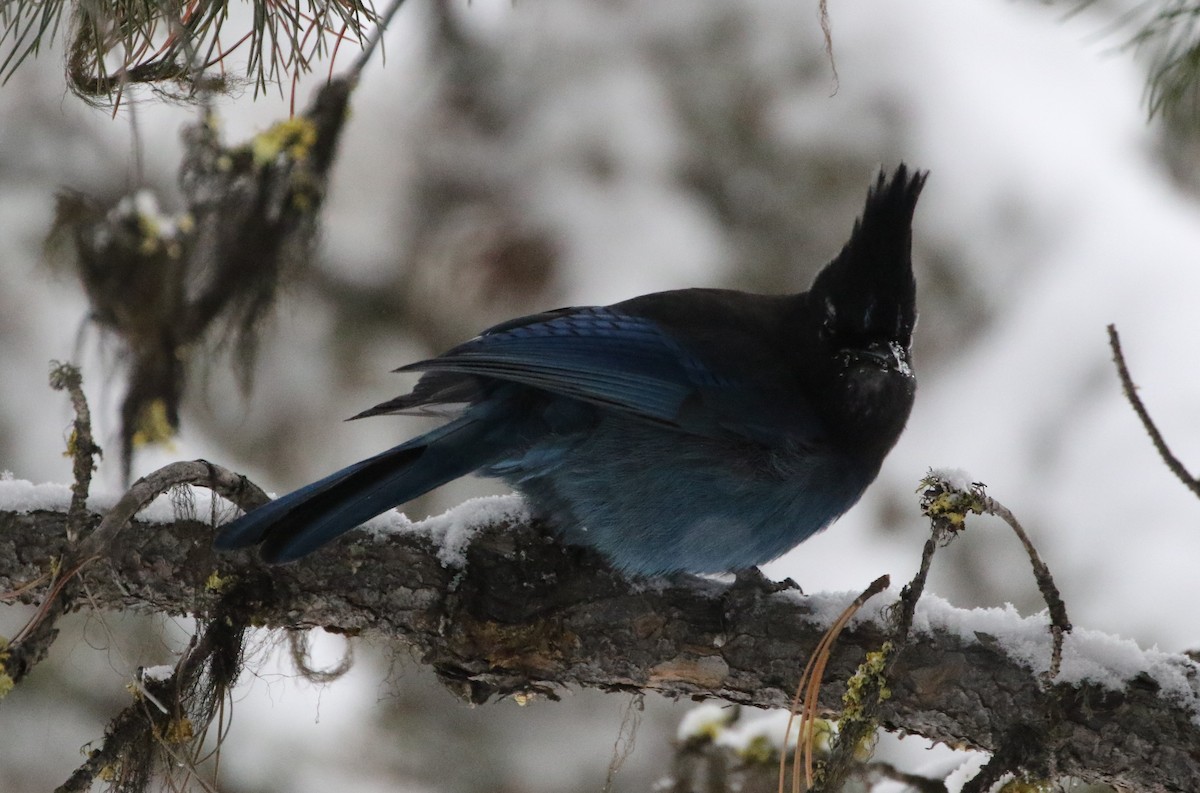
x,y
528,616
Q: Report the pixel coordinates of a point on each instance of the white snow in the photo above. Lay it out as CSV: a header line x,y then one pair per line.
x,y
964,773
19,495
753,728
453,530
157,673
1088,655
770,726
705,721
956,478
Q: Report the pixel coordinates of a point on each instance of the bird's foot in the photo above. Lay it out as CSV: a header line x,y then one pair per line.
x,y
753,578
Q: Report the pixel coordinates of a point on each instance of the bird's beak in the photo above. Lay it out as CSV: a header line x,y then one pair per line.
x,y
884,355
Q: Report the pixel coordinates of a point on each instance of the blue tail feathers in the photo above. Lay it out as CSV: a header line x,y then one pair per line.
x,y
297,523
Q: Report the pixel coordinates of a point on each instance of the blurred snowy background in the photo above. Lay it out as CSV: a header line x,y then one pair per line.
x,y
510,157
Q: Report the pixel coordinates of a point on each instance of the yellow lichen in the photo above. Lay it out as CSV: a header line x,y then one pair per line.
x,y
218,583
865,688
72,443
153,425
292,137
948,505
759,751
869,677
6,681
1027,786
179,731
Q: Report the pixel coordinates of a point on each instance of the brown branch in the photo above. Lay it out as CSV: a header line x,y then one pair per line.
x,y
528,616
1156,437
1060,623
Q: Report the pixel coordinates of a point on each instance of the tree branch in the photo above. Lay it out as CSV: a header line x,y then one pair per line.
x,y
527,615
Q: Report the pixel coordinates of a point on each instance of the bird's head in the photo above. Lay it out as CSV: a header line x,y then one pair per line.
x,y
864,302
865,299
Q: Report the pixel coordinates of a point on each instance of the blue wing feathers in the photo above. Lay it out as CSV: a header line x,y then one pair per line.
x,y
592,354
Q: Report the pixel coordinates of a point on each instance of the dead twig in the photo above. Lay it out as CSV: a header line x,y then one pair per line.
x,y
1156,437
1060,623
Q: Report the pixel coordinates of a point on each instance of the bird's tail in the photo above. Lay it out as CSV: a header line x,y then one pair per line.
x,y
300,522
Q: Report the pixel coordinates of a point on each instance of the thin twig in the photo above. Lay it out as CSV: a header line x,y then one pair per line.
x,y
375,39
1130,389
235,487
186,704
626,738
827,32
1060,623
912,591
82,446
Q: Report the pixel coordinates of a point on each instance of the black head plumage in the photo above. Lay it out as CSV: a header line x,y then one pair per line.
x,y
868,290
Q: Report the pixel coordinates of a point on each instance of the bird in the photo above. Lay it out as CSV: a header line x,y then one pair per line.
x,y
695,430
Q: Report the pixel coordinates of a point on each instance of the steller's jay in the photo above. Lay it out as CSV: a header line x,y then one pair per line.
x,y
699,430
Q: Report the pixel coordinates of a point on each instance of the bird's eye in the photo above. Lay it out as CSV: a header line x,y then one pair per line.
x,y
828,327
869,314
826,331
